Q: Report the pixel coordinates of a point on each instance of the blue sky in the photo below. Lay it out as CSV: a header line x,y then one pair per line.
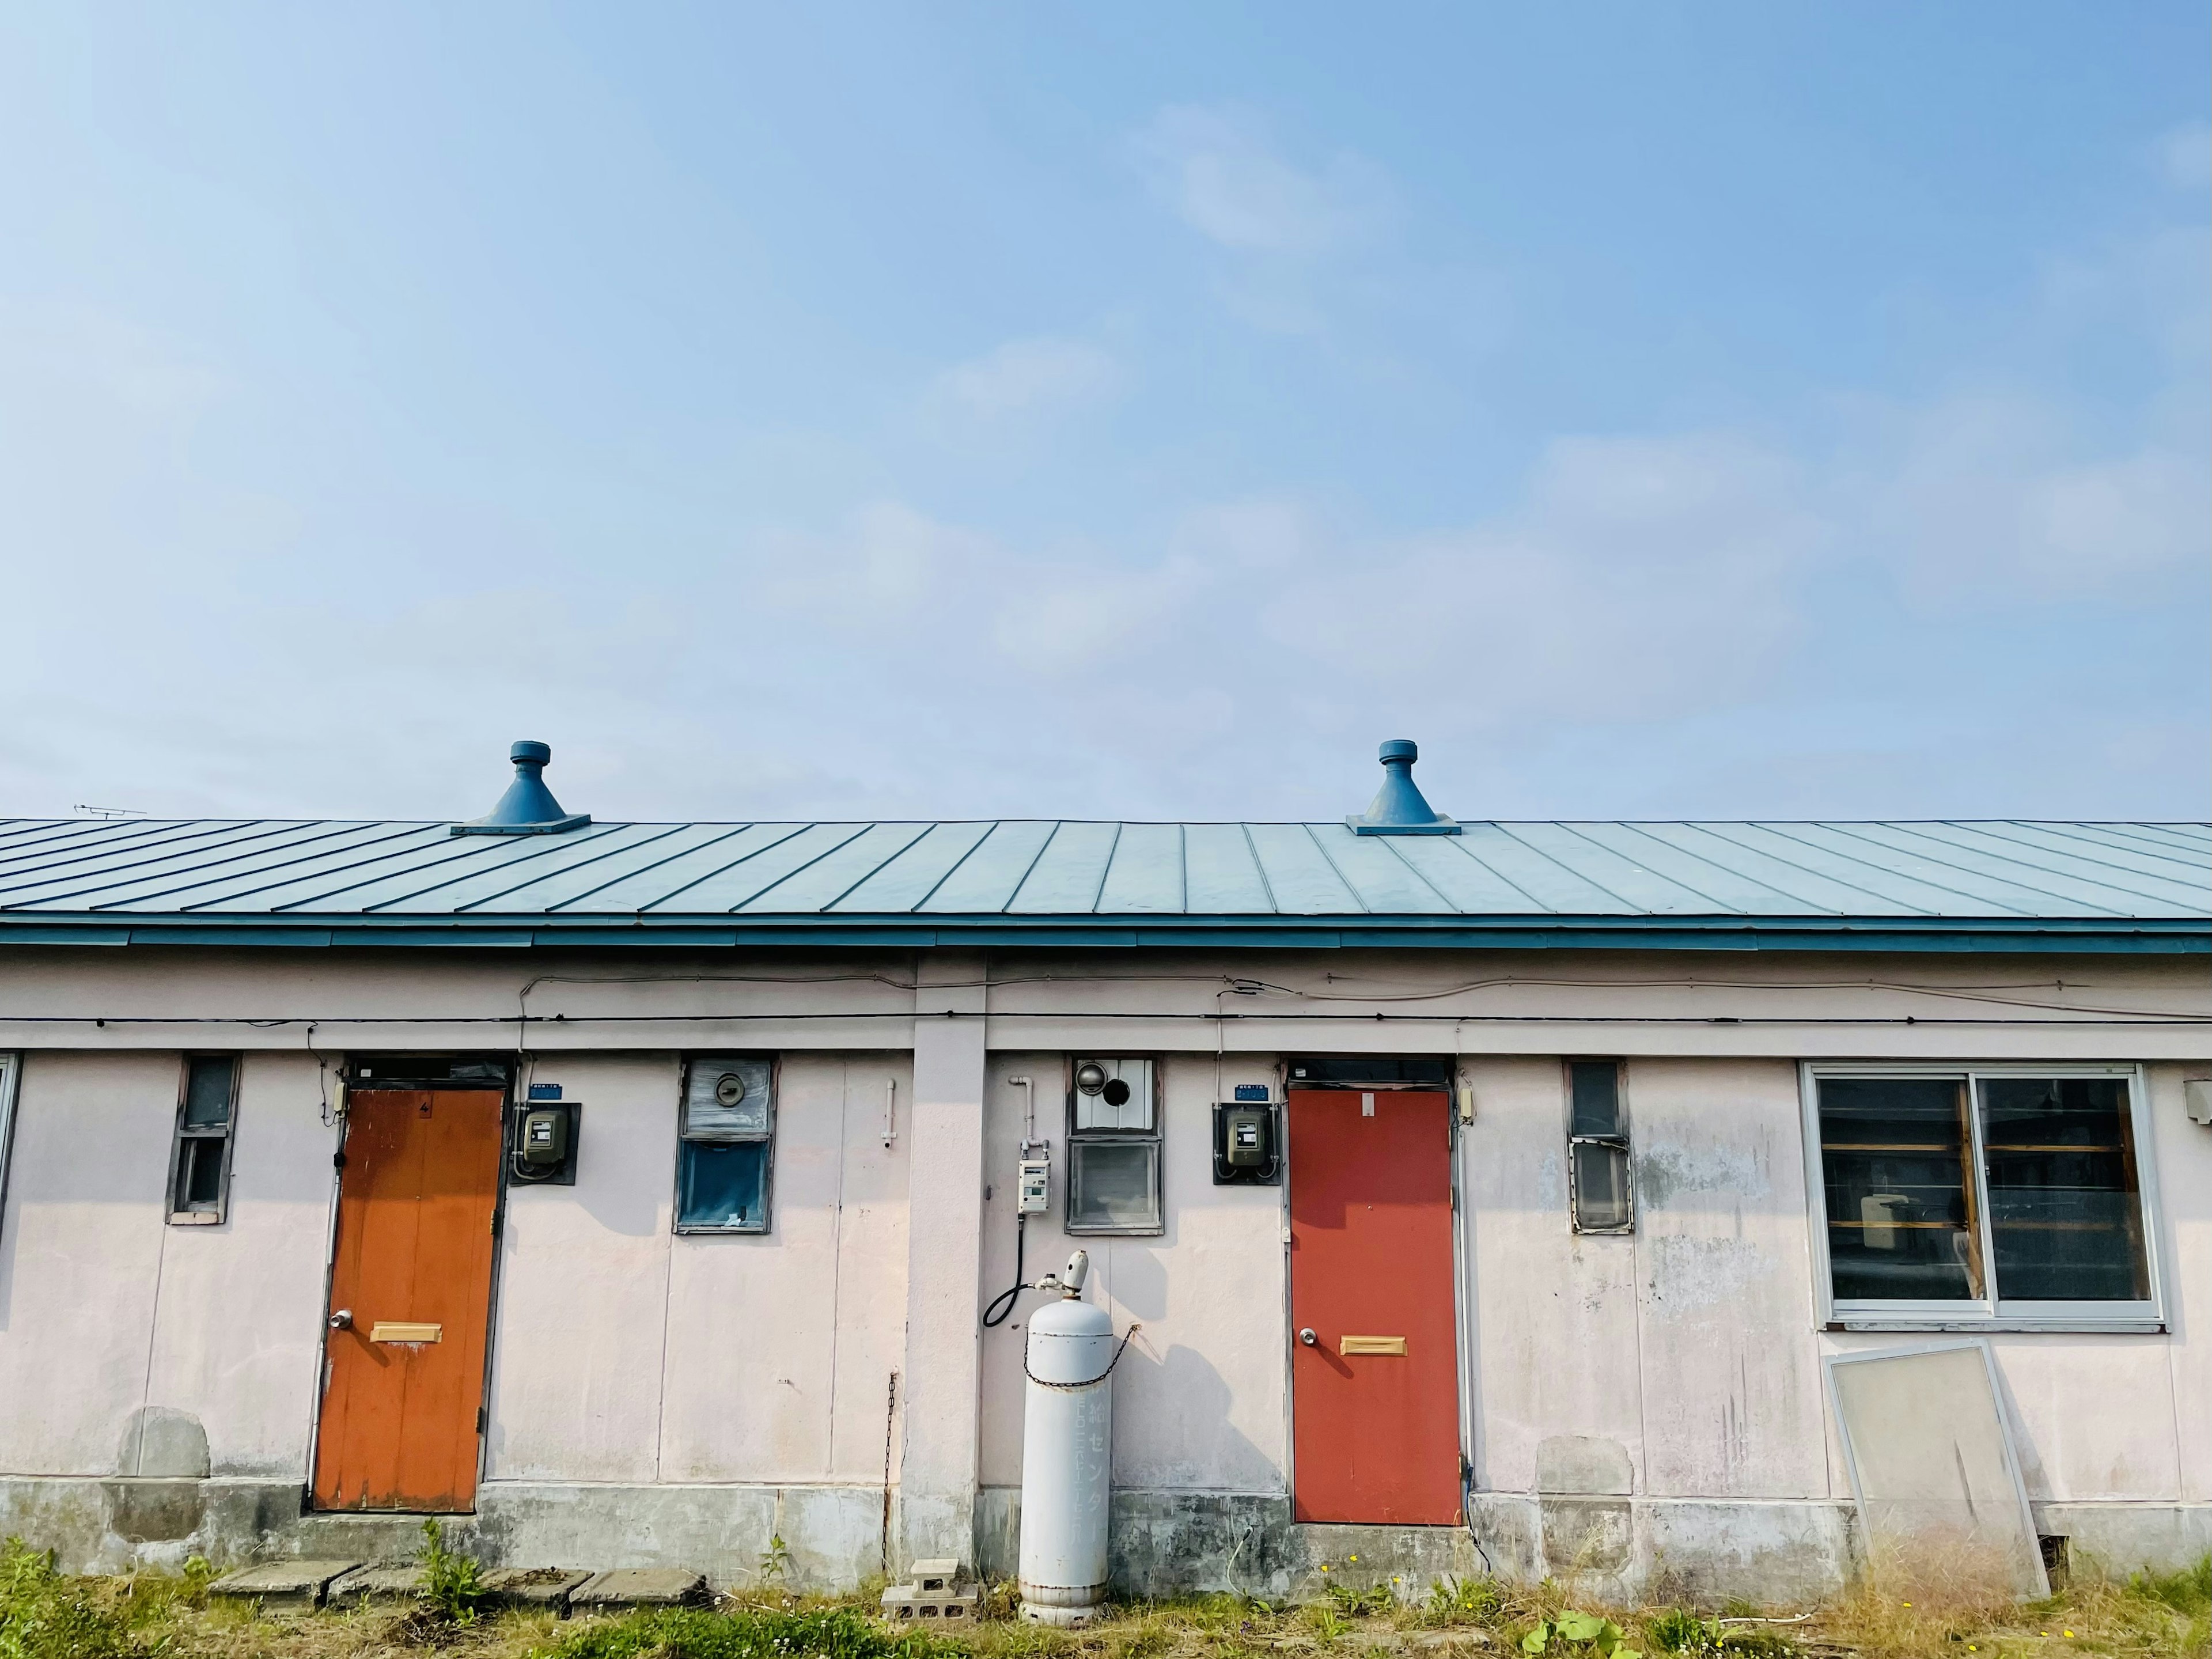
x,y
949,411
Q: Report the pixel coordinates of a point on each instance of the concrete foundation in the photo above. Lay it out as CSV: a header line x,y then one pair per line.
x,y
1164,1543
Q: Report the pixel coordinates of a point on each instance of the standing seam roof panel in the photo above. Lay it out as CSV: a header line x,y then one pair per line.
x,y
544,884
1706,843
1467,884
417,848
905,881
669,881
147,873
1731,892
451,875
1221,873
1553,889
986,881
2166,862
1386,884
1147,875
1069,872
1892,892
36,857
1878,842
836,872
1303,880
2100,880
726,891
1630,879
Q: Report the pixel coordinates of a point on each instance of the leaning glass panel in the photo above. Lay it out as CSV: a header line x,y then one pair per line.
x,y
1901,1223
207,1090
723,1186
1595,1091
2065,1219
1113,1185
1601,1186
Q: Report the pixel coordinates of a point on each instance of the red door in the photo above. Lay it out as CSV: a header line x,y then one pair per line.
x,y
1375,1392
411,1300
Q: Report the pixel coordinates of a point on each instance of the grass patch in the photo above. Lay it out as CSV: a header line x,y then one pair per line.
x,y
743,1633
46,1615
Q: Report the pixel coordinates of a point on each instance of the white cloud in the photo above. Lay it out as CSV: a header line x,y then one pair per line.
x,y
1639,579
1219,171
2184,155
1990,501
1031,377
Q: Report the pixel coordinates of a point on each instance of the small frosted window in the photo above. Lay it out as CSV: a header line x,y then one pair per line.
x,y
1113,1185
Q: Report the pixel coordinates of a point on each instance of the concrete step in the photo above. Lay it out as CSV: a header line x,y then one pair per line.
x,y
639,1587
283,1586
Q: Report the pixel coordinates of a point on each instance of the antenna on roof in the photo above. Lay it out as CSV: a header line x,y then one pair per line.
x,y
528,807
1399,807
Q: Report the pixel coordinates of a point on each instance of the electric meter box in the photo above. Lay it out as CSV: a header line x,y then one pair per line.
x,y
541,1149
1248,1145
1033,1195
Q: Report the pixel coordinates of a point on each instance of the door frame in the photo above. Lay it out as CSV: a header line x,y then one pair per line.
x,y
400,1082
1450,1086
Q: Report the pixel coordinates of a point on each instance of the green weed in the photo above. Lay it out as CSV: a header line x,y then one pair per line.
x,y
44,1615
452,1583
742,1633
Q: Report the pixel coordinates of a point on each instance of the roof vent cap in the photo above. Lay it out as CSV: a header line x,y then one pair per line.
x,y
528,807
1400,808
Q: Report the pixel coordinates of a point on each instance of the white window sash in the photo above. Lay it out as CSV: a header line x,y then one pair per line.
x,y
1990,1312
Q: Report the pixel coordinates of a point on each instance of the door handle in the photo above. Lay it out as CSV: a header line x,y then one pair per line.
x,y
342,1319
1308,1337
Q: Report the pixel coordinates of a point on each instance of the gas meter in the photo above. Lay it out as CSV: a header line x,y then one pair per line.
x,y
1033,1195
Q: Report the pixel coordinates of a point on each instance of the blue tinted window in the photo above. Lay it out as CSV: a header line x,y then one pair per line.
x,y
723,1186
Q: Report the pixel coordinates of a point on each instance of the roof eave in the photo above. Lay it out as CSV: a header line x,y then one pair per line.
x,y
2184,935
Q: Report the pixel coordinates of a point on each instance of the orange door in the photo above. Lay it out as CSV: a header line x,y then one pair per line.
x,y
411,1298
1375,1355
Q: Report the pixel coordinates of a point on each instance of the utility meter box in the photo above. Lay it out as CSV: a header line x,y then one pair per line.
x,y
1033,1193
1247,1143
542,1151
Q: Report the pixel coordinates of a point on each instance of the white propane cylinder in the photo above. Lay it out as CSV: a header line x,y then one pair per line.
x,y
1067,1456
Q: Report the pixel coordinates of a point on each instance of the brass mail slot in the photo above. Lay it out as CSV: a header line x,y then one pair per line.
x,y
1352,1344
385,1330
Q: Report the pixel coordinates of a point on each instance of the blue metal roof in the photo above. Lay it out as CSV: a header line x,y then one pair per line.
x,y
1986,884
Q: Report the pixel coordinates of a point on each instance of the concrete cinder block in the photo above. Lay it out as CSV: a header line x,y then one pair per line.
x,y
904,1604
283,1586
640,1587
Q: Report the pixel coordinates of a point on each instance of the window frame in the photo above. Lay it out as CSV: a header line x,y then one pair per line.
x,y
1156,1138
765,1138
182,1212
11,1070
1622,1139
1991,1312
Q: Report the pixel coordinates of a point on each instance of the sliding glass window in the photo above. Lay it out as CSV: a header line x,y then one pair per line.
x,y
1983,1196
